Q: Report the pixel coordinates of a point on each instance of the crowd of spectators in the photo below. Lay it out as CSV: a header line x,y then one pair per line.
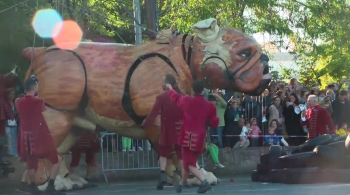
x,y
274,117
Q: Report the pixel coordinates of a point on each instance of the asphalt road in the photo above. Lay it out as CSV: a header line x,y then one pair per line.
x,y
242,186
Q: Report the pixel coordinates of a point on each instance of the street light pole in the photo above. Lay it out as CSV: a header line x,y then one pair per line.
x,y
137,16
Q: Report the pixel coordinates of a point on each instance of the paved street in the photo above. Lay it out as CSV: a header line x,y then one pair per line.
x,y
241,186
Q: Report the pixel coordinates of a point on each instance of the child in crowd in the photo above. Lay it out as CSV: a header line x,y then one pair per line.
x,y
343,131
213,151
255,132
127,144
271,138
244,133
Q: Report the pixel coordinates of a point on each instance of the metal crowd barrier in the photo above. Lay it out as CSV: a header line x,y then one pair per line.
x,y
140,156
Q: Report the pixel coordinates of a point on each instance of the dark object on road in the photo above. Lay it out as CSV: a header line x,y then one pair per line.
x,y
322,159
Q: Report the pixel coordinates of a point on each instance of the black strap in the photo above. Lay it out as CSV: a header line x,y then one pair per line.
x,y
84,101
126,100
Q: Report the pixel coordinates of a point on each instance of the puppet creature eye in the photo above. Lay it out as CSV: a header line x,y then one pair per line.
x,y
246,53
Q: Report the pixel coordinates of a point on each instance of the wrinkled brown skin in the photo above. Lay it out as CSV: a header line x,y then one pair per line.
x,y
61,78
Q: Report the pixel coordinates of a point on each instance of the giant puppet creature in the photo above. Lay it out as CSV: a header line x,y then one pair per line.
x,y
115,85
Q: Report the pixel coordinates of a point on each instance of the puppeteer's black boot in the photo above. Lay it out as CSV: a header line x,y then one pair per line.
x,y
50,190
162,181
178,188
204,187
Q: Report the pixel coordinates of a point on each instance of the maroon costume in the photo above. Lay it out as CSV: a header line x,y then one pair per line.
x,y
197,111
35,141
171,120
88,143
6,112
317,118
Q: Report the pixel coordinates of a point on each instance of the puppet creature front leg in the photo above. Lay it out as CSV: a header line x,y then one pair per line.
x,y
60,125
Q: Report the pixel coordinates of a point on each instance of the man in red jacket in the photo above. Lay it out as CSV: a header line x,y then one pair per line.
x,y
171,120
197,112
35,137
316,119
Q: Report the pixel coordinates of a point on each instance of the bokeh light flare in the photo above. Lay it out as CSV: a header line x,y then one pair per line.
x,y
68,35
45,21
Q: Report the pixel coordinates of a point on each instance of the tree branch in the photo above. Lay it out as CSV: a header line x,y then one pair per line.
x,y
70,13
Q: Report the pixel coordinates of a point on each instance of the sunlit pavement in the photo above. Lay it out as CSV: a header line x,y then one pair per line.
x,y
241,185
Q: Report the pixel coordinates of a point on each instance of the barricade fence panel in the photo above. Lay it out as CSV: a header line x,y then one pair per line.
x,y
125,154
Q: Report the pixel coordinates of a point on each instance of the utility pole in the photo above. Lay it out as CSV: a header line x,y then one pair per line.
x,y
152,18
137,16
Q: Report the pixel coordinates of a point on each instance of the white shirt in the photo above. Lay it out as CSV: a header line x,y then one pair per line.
x,y
244,131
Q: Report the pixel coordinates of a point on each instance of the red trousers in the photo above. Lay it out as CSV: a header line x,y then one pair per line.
x,y
33,160
89,157
189,158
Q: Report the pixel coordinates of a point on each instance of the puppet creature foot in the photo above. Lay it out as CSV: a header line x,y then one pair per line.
x,y
66,183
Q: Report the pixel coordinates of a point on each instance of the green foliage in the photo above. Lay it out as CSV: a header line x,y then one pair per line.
x,y
317,30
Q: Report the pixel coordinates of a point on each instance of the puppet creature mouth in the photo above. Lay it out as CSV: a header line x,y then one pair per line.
x,y
243,79
265,79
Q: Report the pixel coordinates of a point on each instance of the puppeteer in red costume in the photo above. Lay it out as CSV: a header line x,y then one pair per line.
x,y
316,119
171,120
87,143
35,141
197,112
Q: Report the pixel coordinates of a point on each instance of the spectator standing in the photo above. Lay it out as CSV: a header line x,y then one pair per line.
x,y
221,105
292,124
11,126
234,113
276,111
341,109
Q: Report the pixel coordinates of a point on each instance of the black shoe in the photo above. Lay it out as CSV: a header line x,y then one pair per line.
x,y
204,187
162,181
178,188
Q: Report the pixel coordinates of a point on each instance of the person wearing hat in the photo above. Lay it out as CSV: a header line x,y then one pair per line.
x,y
341,109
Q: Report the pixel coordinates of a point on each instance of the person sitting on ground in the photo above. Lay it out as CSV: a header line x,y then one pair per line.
x,y
272,138
213,151
244,141
343,131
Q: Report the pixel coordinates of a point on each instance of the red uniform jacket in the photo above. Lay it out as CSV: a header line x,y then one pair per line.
x,y
6,112
170,117
317,118
197,111
88,140
34,137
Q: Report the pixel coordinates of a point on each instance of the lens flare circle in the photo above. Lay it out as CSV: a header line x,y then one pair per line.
x,y
45,21
69,35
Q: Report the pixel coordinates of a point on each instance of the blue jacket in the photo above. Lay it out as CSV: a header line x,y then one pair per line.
x,y
272,136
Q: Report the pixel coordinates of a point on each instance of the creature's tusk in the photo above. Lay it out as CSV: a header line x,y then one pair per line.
x,y
84,124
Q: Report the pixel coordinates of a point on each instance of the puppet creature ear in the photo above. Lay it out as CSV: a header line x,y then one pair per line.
x,y
206,30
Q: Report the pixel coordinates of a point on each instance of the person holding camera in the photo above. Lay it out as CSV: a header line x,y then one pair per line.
x,y
221,105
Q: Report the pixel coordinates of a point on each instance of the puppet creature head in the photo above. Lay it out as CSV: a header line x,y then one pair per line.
x,y
226,58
